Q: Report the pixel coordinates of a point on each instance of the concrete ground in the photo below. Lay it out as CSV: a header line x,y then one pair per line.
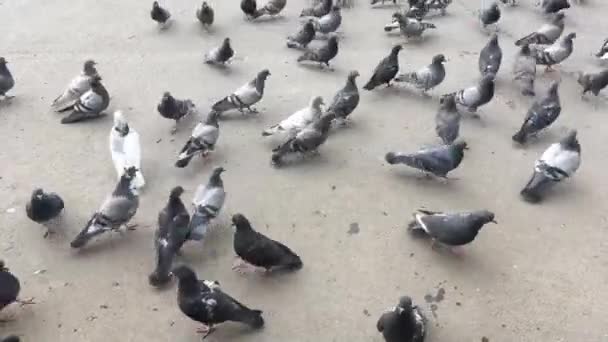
x,y
539,275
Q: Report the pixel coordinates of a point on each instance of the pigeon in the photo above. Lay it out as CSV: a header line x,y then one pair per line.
x,y
450,229
303,37
489,15
434,160
440,5
221,54
603,53
428,77
245,96
170,236
272,7
6,79
447,120
330,22
474,97
409,27
208,202
373,2
509,2
258,250
204,302
524,70
490,57
555,53
322,54
43,208
319,10
202,140
175,109
160,15
404,323
298,120
9,289
205,14
418,11
558,162
11,338
116,211
553,6
542,114
593,82
125,149
386,70
346,99
306,141
78,86
249,7
90,105
546,34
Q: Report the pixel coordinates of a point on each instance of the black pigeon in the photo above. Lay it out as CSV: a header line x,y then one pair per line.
x,y
221,54
245,96
451,229
116,211
249,7
208,202
558,162
175,109
204,302
556,53
322,54
490,57
306,141
541,115
603,53
546,34
303,37
447,120
386,70
346,99
404,323
160,15
435,160
258,250
593,83
11,338
524,70
90,105
43,207
6,79
428,77
474,97
319,10
170,236
9,288
202,140
205,14
489,15
554,6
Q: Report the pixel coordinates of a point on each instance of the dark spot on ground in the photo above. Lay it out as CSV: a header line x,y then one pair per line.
x,y
366,313
354,228
485,339
458,304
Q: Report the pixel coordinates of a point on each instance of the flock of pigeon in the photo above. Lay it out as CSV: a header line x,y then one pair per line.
x,y
302,134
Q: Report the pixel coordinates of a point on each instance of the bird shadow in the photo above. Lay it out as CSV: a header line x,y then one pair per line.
x,y
313,66
231,332
294,160
426,179
269,19
223,69
99,244
237,116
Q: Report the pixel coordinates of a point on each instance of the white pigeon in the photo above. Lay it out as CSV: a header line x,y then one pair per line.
x,y
78,86
298,120
125,149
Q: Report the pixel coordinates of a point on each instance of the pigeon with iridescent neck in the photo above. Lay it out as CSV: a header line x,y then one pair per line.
x,y
244,97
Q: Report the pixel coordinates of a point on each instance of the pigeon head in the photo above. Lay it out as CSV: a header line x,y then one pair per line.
x,y
448,102
484,216
226,42
120,123
559,17
167,97
130,172
335,9
89,67
353,75
494,39
332,40
553,88
262,75
155,4
95,81
37,194
395,50
3,268
439,59
205,4
212,118
460,146
570,36
185,275
240,222
405,304
570,142
215,179
487,80
176,192
3,61
397,16
309,25
316,102
494,7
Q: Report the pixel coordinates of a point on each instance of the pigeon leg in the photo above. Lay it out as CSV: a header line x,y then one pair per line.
x,y
549,69
206,330
252,110
174,128
457,250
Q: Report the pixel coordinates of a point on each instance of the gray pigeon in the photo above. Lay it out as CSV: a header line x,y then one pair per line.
x,y
435,160
272,7
409,27
43,208
593,82
322,54
553,6
330,22
404,323
208,202
440,5
249,7
386,70
546,34
6,79
451,229
221,54
603,53
447,120
175,109
245,96
319,10
205,14
428,77
489,15
524,70
202,140
490,57
90,105
558,162
555,53
116,211
170,236
302,38
474,97
305,141
346,99
541,115
78,86
418,10
160,15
